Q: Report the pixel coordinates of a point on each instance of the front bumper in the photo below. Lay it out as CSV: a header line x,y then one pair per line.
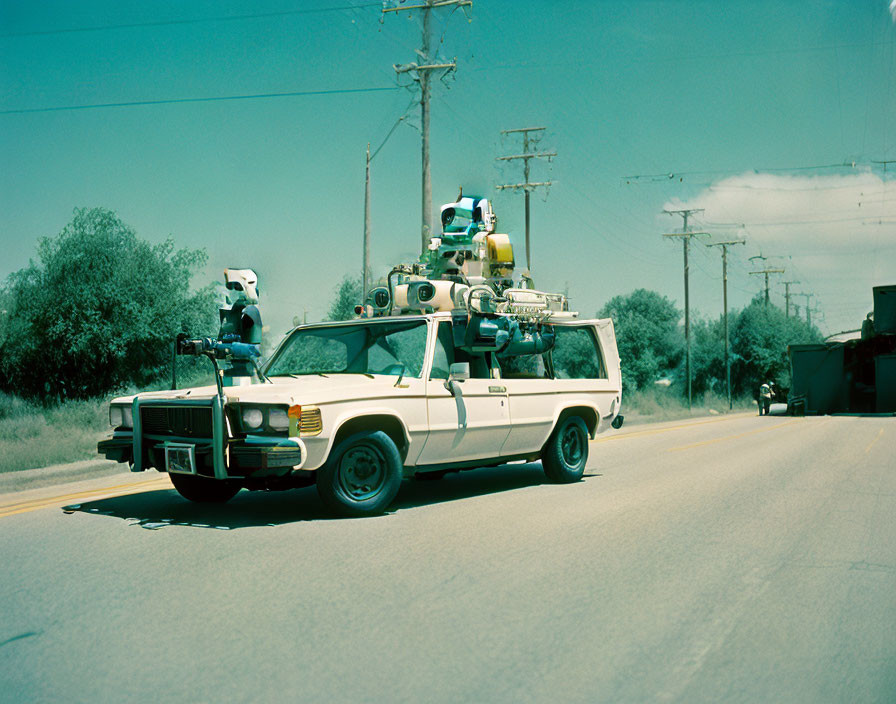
x,y
250,457
264,454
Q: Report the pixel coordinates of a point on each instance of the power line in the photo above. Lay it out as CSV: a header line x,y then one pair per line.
x,y
568,65
779,189
198,20
865,220
394,127
219,98
670,175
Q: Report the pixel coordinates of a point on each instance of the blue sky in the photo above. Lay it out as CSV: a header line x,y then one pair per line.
x,y
727,106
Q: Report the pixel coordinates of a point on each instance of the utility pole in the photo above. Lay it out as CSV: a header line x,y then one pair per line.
x,y
807,296
686,239
365,266
421,73
809,311
766,272
724,246
787,285
526,185
365,254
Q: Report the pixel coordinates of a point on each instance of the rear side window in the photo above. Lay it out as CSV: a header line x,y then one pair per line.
x,y
524,366
576,354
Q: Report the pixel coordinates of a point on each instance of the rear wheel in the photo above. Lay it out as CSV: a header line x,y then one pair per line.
x,y
202,489
362,475
566,452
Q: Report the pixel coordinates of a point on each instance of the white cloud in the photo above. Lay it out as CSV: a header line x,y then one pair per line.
x,y
835,233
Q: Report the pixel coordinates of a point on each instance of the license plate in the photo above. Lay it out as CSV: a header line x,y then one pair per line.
x,y
180,459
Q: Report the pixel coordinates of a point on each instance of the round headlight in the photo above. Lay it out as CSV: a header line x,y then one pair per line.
x,y
252,417
277,419
115,416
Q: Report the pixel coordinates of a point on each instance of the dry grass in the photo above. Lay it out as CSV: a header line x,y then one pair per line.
x,y
33,436
659,404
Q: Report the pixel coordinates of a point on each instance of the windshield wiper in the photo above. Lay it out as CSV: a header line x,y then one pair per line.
x,y
401,375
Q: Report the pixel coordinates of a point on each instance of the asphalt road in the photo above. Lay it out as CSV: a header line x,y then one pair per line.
x,y
738,559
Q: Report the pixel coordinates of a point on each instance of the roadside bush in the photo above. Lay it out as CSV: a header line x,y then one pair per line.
x,y
97,311
649,339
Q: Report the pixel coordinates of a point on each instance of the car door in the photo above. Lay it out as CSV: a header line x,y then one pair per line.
x,y
532,397
472,425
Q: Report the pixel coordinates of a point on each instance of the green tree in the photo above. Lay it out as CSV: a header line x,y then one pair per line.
x,y
5,304
98,311
346,296
707,358
759,339
647,334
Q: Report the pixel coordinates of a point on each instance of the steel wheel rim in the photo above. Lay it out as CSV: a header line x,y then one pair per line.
x,y
362,472
571,446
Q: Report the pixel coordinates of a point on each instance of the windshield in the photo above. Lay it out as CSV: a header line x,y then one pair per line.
x,y
396,348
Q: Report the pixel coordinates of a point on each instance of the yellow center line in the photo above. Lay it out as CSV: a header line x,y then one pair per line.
x,y
877,437
99,493
732,437
656,431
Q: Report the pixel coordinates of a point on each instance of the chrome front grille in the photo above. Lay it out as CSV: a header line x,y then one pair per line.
x,y
180,421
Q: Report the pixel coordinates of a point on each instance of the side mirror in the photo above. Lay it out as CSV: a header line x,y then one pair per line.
x,y
459,371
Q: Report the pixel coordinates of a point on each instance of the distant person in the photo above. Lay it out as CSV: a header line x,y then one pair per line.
x,y
765,398
868,327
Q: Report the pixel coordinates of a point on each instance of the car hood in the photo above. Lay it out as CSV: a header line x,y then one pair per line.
x,y
311,389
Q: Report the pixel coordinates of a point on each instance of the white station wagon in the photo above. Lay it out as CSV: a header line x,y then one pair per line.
x,y
355,407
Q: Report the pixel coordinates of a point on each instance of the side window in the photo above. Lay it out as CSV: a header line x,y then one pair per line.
x,y
576,354
524,366
397,351
445,355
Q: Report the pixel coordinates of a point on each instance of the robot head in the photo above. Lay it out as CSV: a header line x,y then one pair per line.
x,y
242,286
469,215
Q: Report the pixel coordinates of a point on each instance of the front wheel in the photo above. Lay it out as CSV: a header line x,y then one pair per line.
x,y
566,452
203,490
362,475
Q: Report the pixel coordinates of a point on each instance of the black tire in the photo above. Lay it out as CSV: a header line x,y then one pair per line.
x,y
565,454
362,475
203,490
